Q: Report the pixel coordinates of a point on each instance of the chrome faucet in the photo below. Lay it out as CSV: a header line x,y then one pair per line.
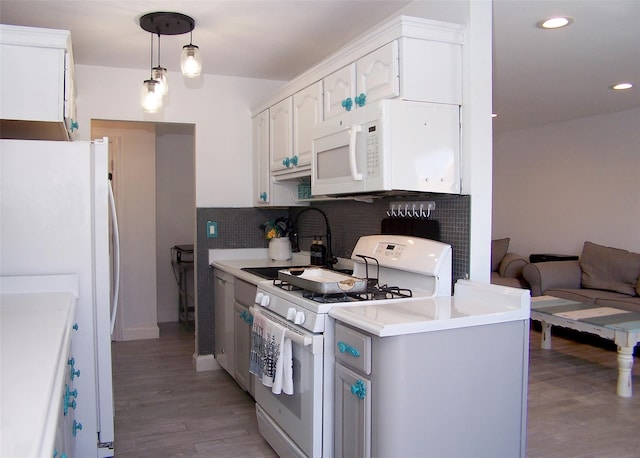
x,y
295,246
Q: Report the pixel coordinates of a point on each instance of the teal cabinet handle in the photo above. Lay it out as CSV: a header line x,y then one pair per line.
x,y
75,327
246,316
263,196
359,389
347,103
76,427
361,99
294,161
345,348
74,125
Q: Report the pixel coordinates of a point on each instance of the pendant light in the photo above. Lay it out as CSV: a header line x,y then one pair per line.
x,y
190,60
159,74
167,23
151,95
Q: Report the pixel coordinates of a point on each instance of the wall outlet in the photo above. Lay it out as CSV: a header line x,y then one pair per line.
x,y
212,229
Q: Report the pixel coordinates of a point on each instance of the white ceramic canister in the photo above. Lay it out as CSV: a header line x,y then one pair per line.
x,y
280,249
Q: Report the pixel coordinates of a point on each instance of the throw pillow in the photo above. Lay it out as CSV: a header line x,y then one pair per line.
x,y
499,249
610,269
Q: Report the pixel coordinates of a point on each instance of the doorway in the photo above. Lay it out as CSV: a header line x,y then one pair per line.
x,y
154,187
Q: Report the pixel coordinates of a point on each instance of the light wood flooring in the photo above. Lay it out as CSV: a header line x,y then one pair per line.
x,y
165,409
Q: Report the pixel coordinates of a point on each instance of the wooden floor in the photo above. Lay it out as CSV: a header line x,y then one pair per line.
x,y
165,409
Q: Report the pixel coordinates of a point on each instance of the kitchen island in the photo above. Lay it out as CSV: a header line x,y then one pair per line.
x,y
445,376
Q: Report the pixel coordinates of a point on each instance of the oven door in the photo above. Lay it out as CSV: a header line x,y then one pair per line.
x,y
296,418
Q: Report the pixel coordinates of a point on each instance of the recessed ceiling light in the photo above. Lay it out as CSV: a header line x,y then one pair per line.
x,y
494,115
555,22
621,86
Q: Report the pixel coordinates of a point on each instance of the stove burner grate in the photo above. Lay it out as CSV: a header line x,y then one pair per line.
x,y
373,293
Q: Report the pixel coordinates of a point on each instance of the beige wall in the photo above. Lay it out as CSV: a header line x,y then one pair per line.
x,y
558,185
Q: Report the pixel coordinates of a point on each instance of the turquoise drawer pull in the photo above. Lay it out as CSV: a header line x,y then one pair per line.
x,y
246,316
359,389
345,348
76,426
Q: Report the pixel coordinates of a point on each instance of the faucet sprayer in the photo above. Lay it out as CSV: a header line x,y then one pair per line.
x,y
295,247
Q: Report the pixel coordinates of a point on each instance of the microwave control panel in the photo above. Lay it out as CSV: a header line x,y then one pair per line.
x,y
373,150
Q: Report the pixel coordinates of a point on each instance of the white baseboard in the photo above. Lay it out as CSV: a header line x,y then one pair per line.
x,y
150,332
202,363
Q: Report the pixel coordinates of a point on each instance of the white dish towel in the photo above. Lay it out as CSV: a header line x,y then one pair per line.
x,y
271,355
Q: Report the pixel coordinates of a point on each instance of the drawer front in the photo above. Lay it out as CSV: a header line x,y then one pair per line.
x,y
353,348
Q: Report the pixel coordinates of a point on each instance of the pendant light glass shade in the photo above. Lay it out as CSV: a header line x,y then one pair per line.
x,y
151,96
160,75
190,61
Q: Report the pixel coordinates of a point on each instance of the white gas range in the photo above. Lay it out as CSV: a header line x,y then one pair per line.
x,y
397,269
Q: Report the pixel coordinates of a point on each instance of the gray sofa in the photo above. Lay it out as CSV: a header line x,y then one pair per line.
x,y
604,276
506,267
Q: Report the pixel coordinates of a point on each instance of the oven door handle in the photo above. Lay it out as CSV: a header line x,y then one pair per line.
x,y
296,338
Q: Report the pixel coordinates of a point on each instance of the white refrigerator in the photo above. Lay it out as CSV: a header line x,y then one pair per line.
x,y
54,219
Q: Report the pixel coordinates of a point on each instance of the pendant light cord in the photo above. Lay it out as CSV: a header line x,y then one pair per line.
x,y
151,68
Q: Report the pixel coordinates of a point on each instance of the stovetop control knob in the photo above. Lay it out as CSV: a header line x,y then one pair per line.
x,y
291,314
299,319
264,301
258,298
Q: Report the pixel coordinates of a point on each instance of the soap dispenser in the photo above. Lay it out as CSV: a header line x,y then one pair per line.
x,y
318,253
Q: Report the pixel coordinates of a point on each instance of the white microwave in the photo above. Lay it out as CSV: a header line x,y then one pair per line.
x,y
388,145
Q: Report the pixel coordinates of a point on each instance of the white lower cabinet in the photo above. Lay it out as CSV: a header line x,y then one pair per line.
x,y
352,404
353,394
245,294
223,314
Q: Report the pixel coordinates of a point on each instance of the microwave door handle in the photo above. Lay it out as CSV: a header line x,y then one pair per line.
x,y
353,134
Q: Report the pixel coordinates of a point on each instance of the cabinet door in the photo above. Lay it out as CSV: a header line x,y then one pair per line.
x,y
281,134
223,311
261,163
307,114
338,87
352,410
242,346
32,83
377,74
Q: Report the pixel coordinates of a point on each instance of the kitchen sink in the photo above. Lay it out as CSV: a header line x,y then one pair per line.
x,y
271,273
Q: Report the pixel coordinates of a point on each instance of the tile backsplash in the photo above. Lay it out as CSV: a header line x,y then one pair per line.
x,y
348,219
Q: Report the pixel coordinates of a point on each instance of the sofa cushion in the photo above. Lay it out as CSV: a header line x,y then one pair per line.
x,y
587,296
499,249
631,304
610,269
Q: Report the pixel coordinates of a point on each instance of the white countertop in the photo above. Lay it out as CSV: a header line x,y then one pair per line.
x,y
233,260
35,339
474,304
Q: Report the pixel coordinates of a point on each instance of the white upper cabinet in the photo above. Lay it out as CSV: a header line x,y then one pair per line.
x,y
339,87
266,192
372,77
261,175
281,134
307,114
36,83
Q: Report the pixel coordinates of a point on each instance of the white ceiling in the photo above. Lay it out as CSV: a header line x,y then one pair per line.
x,y
539,76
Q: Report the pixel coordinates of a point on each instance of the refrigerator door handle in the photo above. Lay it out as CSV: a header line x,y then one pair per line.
x,y
116,256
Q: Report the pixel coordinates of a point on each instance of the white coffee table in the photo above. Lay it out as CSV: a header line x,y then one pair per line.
x,y
620,326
